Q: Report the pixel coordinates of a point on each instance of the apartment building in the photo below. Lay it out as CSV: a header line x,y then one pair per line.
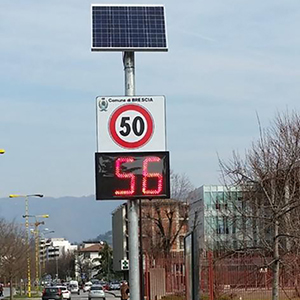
x,y
53,248
215,214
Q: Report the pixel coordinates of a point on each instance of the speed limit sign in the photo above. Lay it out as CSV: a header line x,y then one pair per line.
x,y
134,123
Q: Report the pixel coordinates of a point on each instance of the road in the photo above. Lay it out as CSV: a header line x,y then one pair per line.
x,y
83,296
108,294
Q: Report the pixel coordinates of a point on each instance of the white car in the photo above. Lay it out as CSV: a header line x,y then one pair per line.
x,y
87,286
96,291
115,285
74,288
66,294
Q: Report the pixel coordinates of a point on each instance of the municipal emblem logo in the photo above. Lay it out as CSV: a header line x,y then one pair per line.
x,y
103,104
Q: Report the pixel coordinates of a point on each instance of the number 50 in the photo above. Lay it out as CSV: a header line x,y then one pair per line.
x,y
132,177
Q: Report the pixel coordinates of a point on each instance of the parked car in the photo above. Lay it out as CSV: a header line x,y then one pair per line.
x,y
105,285
87,286
96,291
53,292
66,294
95,281
74,287
114,285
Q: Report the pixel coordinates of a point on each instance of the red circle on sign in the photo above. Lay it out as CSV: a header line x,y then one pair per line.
x,y
115,136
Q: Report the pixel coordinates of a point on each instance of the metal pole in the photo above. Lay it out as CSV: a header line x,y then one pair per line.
x,y
147,276
141,252
56,262
27,245
37,255
133,217
128,60
211,276
44,256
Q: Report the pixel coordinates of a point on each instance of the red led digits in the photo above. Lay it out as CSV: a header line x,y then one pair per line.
x,y
118,173
146,175
132,175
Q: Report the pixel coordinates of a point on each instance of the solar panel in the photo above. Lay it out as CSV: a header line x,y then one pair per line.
x,y
128,27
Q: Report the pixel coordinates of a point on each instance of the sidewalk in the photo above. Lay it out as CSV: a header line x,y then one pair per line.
x,y
6,293
7,297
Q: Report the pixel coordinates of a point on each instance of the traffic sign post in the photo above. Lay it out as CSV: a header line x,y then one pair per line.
x,y
131,123
133,217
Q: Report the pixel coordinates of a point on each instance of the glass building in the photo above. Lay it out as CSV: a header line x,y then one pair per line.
x,y
217,215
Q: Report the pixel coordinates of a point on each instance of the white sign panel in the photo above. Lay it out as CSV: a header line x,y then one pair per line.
x,y
135,123
124,264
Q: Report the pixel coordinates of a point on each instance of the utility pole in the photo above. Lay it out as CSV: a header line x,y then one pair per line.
x,y
133,219
135,138
28,248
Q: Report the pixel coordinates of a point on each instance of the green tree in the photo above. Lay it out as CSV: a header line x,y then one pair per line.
x,y
104,264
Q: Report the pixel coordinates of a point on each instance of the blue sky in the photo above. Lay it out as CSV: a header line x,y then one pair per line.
x,y
227,61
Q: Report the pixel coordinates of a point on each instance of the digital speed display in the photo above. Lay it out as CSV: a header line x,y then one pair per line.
x,y
132,175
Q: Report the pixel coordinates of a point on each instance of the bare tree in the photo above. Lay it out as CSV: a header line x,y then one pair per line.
x,y
163,223
181,186
268,178
165,220
83,266
13,251
64,266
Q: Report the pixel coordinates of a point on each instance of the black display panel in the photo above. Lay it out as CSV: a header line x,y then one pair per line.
x,y
132,175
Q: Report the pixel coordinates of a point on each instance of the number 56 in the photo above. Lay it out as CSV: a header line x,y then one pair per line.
x,y
132,177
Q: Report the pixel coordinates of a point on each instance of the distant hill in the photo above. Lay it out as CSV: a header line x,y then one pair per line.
x,y
106,237
74,218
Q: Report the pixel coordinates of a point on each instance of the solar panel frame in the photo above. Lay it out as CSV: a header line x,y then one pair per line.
x,y
158,31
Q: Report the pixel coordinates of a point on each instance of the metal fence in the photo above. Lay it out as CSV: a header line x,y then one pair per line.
x,y
247,277
241,277
172,268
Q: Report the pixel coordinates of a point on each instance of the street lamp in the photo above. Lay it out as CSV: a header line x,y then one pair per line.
x,y
27,236
36,239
